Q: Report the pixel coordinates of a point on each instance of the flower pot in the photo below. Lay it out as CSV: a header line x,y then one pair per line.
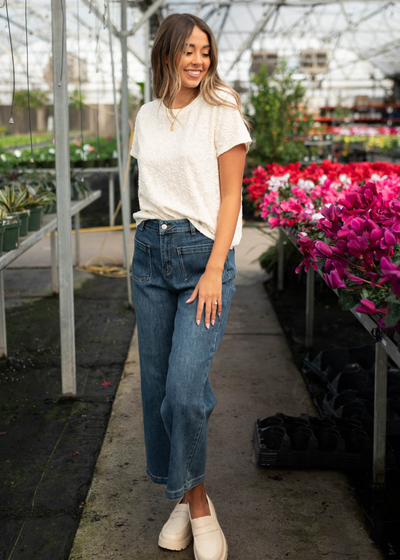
x,y
51,208
11,233
24,219
35,218
2,229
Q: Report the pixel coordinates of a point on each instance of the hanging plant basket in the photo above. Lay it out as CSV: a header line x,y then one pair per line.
x,y
11,233
23,216
35,218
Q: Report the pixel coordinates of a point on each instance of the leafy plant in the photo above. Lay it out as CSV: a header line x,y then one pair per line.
x,y
38,99
34,197
12,200
76,100
279,117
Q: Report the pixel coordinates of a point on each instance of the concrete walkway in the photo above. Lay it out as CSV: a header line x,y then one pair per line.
x,y
265,514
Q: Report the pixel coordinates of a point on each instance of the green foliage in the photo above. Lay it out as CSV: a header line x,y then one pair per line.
x,y
76,100
38,99
269,259
279,116
12,200
14,140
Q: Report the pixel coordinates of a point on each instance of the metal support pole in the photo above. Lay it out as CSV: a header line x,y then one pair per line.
x,y
3,329
380,399
77,220
280,260
54,269
126,185
111,196
310,307
122,161
65,263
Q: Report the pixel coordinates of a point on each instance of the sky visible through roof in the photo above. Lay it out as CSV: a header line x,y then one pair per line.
x,y
361,40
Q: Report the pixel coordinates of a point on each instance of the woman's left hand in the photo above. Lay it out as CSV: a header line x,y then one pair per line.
x,y
209,290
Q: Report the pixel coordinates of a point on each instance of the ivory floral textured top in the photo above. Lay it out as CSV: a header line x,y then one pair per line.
x,y
178,170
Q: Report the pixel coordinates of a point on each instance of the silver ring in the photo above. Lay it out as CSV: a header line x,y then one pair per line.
x,y
216,303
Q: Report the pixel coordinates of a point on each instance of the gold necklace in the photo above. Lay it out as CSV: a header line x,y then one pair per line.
x,y
175,116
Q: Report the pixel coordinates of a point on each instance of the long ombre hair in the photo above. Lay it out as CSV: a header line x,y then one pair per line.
x,y
168,43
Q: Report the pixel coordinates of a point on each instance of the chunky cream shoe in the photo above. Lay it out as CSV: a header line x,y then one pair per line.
x,y
209,541
176,533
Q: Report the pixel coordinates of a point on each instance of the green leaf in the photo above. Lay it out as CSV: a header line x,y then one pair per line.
x,y
346,300
393,314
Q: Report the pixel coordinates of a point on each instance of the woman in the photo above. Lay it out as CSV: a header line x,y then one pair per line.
x,y
191,143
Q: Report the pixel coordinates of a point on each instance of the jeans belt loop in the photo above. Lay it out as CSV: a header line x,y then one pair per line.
x,y
141,225
192,229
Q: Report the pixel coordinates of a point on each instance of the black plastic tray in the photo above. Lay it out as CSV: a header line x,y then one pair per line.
x,y
309,442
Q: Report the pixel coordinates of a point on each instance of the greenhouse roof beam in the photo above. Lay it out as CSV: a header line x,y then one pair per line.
x,y
30,32
147,15
114,30
258,29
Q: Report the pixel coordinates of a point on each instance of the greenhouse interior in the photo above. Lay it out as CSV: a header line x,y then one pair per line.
x,y
304,444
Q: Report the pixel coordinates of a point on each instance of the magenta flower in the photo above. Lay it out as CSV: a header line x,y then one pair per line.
x,y
334,280
355,279
322,249
368,307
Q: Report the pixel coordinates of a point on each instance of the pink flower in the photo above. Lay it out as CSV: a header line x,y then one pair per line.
x,y
322,249
334,280
368,307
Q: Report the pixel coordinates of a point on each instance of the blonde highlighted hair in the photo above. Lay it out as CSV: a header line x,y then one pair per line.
x,y
168,43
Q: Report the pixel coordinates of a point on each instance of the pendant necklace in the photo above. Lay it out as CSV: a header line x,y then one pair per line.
x,y
175,116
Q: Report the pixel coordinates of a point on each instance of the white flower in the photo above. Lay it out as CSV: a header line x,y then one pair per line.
x,y
322,179
17,153
317,216
276,183
3,157
86,147
344,179
306,185
52,151
115,154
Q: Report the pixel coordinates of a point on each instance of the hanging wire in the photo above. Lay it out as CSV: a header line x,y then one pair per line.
x,y
80,83
27,77
62,43
11,121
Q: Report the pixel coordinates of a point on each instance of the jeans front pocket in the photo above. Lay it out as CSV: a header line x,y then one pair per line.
x,y
141,263
193,260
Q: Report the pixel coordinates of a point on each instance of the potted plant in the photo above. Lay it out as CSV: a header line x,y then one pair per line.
x,y
35,200
2,229
13,202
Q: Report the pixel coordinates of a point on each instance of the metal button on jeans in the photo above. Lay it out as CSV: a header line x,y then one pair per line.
x,y
164,226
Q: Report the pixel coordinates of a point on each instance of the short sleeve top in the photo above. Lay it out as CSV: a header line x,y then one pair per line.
x,y
178,170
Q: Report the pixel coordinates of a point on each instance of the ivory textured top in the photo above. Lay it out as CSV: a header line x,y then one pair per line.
x,y
178,170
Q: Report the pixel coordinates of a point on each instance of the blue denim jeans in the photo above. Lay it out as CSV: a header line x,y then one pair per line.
x,y
175,353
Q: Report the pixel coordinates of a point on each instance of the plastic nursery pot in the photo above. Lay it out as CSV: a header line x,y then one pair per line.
x,y
51,208
11,233
328,439
35,218
269,421
273,436
2,228
355,441
24,219
300,438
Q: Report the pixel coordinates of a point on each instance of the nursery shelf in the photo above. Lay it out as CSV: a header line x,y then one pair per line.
x,y
50,226
110,171
384,347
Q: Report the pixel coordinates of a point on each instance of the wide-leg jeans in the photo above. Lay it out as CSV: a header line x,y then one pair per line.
x,y
175,353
